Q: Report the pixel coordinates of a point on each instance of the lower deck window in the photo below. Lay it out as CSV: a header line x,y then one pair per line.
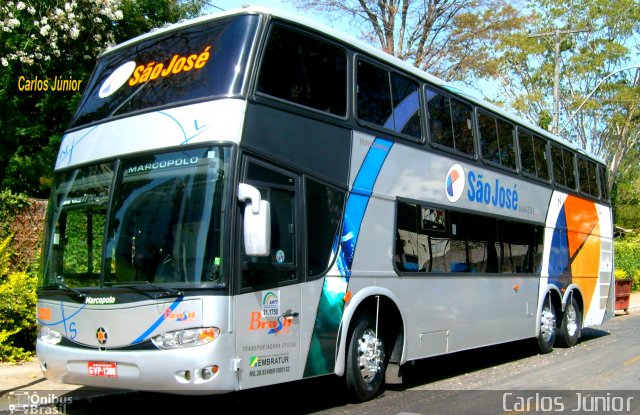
x,y
432,240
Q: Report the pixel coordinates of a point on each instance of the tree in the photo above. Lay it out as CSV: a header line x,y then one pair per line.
x,y
593,42
447,38
49,40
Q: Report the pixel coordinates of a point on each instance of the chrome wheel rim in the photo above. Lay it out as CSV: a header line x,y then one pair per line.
x,y
571,320
547,324
370,355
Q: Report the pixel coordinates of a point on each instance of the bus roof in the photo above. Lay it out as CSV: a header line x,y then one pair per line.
x,y
343,38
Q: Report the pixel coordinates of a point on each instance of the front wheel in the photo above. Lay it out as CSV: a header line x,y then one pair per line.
x,y
365,360
570,325
547,335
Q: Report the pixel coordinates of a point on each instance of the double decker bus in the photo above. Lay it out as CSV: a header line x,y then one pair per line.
x,y
250,198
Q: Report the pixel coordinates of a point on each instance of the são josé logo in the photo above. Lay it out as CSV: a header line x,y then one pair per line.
x,y
116,79
454,184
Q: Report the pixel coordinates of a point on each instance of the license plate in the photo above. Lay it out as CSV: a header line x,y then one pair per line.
x,y
103,369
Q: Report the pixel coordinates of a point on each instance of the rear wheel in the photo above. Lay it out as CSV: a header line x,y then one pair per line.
x,y
570,325
366,359
548,329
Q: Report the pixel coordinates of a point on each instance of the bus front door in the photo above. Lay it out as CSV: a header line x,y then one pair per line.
x,y
268,301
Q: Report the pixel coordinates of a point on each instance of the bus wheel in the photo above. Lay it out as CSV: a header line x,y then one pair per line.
x,y
365,360
570,325
548,329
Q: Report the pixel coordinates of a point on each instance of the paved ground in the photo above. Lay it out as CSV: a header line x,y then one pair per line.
x,y
28,377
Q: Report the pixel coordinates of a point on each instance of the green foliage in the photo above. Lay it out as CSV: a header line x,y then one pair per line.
x,y
626,195
10,205
17,308
45,39
627,259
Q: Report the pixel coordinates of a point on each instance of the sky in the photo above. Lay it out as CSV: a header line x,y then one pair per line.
x,y
276,4
287,5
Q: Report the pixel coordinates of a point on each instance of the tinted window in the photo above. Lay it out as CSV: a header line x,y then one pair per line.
x,y
533,155
388,99
324,210
304,70
450,122
280,266
496,141
563,167
435,240
374,95
587,177
200,61
604,184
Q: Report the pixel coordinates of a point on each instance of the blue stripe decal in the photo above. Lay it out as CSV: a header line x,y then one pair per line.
x,y
371,166
159,321
322,350
358,201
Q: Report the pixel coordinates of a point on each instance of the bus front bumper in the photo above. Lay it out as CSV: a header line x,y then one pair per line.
x,y
200,370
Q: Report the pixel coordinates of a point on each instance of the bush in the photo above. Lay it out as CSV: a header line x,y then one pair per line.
x,y
627,259
17,308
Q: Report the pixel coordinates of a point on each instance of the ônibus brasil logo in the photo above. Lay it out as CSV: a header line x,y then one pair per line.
x,y
454,186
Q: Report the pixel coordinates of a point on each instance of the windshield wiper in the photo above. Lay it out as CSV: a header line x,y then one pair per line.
x,y
166,291
63,285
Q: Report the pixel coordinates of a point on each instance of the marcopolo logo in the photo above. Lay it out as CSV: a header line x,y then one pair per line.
x,y
454,184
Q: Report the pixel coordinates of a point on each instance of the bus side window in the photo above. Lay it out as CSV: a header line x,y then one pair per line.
x,y
496,141
280,266
304,70
450,122
533,155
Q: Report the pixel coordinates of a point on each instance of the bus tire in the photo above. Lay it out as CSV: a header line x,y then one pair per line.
x,y
570,325
548,326
366,360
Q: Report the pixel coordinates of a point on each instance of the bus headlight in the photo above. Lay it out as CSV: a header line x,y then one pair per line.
x,y
186,338
49,336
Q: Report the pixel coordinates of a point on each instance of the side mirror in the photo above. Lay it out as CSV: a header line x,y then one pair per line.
x,y
257,221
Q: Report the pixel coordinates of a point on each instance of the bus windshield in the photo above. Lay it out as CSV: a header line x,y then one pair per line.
x,y
165,225
205,60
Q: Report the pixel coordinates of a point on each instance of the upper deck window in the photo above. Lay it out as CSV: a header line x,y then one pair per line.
x,y
450,122
564,172
588,177
304,70
196,62
533,155
388,99
496,141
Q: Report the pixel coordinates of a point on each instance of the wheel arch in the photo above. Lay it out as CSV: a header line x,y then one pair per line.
x,y
362,301
573,290
556,299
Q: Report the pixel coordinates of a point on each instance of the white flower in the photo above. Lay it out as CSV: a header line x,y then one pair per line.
x,y
31,10
21,6
118,15
44,30
5,62
74,33
68,7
